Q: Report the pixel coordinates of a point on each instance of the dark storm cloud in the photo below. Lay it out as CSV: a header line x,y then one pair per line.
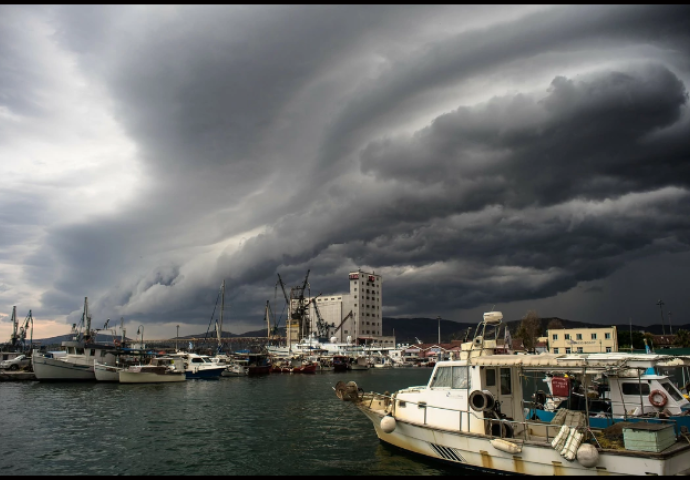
x,y
279,139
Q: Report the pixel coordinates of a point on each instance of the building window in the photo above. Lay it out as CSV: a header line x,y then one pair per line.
x,y
555,350
578,336
579,349
608,349
567,336
594,336
555,336
567,350
607,336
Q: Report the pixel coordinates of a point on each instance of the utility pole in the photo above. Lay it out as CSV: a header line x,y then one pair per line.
x,y
661,310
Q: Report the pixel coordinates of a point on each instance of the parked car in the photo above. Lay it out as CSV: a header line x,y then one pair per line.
x,y
16,363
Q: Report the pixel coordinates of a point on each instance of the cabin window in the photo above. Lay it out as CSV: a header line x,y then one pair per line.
x,y
93,352
490,377
80,351
102,353
443,378
634,389
197,360
505,382
461,377
672,391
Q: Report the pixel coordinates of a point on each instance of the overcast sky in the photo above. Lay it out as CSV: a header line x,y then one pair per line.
x,y
522,157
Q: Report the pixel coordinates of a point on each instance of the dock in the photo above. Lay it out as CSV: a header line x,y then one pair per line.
x,y
9,376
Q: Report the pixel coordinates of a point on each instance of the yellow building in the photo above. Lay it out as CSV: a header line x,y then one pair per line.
x,y
583,340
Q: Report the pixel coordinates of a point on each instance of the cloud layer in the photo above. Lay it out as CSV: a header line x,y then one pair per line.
x,y
472,155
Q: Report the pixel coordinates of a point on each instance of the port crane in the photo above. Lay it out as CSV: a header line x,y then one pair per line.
x,y
322,327
296,298
24,328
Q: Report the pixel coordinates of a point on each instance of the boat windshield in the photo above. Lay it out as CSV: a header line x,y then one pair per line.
x,y
675,394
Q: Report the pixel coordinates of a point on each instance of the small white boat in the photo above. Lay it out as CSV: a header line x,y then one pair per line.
x,y
234,367
159,370
360,363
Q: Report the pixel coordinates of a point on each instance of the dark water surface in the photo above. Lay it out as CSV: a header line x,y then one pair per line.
x,y
273,425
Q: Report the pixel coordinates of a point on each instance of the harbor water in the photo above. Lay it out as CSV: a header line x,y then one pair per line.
x,y
279,424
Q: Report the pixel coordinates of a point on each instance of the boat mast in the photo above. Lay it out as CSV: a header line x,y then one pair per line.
x,y
222,307
87,319
268,322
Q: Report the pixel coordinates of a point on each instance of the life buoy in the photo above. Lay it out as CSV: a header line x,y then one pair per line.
x,y
116,342
658,398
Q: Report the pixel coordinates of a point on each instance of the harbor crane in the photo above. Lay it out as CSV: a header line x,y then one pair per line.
x,y
322,327
296,299
24,328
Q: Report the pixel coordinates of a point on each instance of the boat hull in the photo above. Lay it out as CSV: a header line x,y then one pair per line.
x,y
205,373
477,451
56,370
147,377
258,370
104,373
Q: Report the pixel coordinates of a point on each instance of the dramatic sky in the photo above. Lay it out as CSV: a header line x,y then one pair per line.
x,y
522,157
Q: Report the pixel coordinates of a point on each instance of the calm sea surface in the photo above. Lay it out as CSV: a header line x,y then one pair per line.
x,y
273,425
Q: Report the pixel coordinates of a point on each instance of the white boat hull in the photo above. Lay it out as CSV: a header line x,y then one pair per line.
x,y
477,451
106,373
148,377
55,369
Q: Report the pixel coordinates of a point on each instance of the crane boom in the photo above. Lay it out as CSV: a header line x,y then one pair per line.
x,y
341,323
282,286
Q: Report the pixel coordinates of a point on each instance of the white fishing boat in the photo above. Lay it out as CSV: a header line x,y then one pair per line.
x,y
78,362
158,370
471,413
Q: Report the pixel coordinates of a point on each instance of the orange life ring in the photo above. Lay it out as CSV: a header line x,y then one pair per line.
x,y
653,398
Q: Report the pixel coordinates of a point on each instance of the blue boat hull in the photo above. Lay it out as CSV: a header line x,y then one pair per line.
x,y
206,373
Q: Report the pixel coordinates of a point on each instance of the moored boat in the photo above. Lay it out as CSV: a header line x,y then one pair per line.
x,y
471,413
158,370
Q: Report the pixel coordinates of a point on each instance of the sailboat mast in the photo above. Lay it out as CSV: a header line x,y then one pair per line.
x,y
268,322
222,307
87,318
